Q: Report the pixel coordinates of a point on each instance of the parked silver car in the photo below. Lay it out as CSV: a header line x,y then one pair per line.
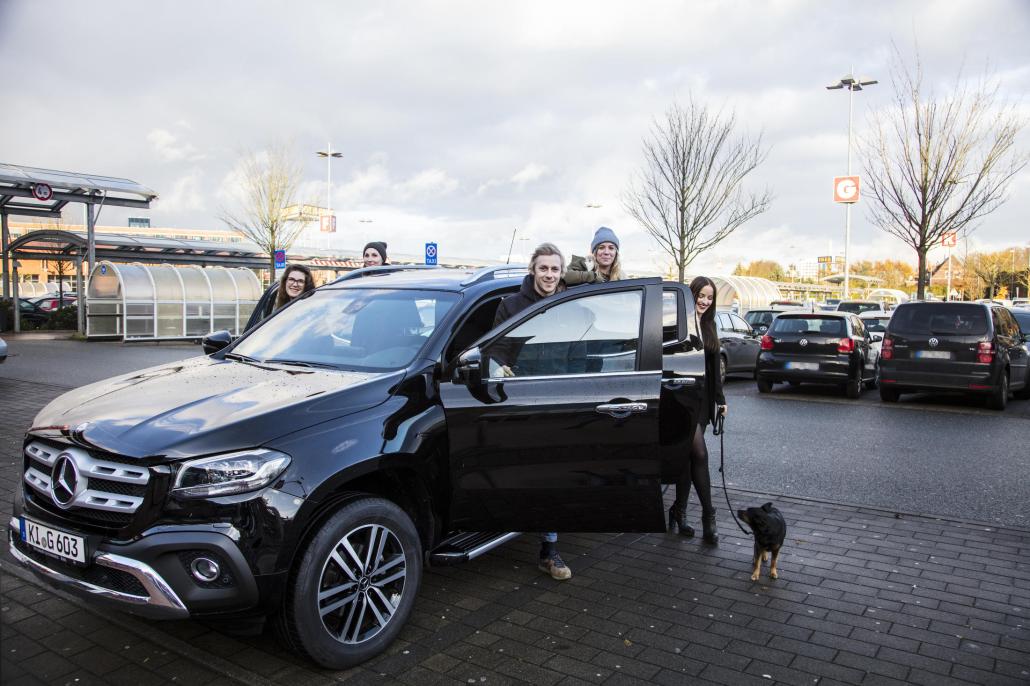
x,y
3,350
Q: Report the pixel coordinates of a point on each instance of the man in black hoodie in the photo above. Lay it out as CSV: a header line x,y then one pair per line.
x,y
546,268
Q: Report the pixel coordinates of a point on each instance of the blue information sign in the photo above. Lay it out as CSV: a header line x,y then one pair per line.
x,y
280,259
430,253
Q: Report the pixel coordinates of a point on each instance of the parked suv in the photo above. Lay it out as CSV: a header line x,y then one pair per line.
x,y
973,348
308,469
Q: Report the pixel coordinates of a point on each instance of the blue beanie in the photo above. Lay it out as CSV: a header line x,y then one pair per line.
x,y
604,235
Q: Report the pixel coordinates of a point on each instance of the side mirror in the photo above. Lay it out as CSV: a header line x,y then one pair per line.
x,y
468,371
215,341
877,336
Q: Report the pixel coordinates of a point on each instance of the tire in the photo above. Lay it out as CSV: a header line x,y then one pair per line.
x,y
999,398
853,388
1024,392
871,383
889,395
378,593
722,370
764,385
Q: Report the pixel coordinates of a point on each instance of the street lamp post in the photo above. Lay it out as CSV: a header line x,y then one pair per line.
x,y
329,155
852,84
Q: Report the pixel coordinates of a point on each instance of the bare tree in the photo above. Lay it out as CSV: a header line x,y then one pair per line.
x,y
689,194
935,164
267,194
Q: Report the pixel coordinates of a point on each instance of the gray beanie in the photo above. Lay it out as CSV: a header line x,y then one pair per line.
x,y
604,235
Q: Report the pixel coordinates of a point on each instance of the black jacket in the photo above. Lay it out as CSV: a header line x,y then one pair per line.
x,y
713,388
506,350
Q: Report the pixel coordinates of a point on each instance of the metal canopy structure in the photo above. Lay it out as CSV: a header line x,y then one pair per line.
x,y
35,192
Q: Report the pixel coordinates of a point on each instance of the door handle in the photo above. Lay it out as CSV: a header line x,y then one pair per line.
x,y
680,381
621,410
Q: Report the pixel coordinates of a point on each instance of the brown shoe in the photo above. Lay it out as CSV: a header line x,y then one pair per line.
x,y
555,566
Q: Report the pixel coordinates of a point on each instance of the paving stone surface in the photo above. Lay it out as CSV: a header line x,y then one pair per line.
x,y
864,597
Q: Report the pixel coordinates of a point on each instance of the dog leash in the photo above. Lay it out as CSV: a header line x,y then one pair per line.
x,y
719,429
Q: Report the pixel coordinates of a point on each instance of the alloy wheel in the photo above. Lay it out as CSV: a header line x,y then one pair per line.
x,y
362,584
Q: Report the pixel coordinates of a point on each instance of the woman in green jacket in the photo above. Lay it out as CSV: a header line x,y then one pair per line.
x,y
606,264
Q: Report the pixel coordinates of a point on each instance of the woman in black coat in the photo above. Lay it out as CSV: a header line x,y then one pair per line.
x,y
714,403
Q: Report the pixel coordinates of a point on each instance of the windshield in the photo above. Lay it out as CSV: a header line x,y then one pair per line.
x,y
923,319
876,324
1023,318
758,318
857,307
830,326
354,329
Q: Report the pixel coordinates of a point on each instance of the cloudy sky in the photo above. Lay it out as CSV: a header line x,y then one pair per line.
x,y
461,122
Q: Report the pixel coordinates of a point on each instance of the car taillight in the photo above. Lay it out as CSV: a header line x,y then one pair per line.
x,y
767,342
887,348
985,352
846,345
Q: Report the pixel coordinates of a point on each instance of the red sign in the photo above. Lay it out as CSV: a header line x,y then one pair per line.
x,y
328,223
42,191
845,189
949,239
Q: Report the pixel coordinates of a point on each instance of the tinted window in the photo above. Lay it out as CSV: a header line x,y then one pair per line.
x,y
739,324
924,319
670,316
876,325
590,335
371,329
722,320
758,318
1022,318
857,308
830,326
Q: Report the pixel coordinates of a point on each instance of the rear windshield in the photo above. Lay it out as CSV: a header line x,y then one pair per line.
x,y
876,324
858,308
758,318
925,319
829,326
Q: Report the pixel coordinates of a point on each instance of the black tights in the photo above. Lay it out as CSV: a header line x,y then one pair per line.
x,y
696,471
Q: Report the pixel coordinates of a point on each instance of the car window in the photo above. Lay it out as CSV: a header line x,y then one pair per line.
x,y
758,318
1022,318
359,329
739,324
1009,326
925,319
595,334
876,324
722,321
830,326
670,316
859,329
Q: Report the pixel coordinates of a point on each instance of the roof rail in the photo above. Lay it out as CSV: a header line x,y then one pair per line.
x,y
382,269
487,273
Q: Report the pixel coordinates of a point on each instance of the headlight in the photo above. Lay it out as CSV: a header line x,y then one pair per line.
x,y
229,474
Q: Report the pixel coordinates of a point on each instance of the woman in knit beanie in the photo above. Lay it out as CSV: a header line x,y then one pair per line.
x,y
374,254
606,266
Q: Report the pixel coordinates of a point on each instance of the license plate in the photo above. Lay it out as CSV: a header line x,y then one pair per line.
x,y
933,354
807,366
52,541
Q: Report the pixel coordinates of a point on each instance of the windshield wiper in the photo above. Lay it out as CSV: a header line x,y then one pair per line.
x,y
300,363
240,357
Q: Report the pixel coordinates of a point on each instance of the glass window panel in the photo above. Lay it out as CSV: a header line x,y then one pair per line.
x,y
225,311
104,285
139,309
594,334
168,286
139,328
169,320
201,326
247,283
222,288
135,282
196,285
227,324
103,326
101,307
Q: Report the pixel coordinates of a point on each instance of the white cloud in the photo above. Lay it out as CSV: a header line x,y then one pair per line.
x,y
186,195
170,148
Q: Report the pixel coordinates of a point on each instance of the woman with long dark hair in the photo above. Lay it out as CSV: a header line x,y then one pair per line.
x,y
714,403
295,282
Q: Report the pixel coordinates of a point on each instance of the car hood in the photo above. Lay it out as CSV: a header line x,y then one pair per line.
x,y
203,406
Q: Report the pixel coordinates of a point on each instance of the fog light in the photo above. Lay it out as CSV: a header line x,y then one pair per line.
x,y
205,570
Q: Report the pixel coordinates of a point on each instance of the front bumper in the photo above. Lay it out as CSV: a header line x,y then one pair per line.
x,y
150,575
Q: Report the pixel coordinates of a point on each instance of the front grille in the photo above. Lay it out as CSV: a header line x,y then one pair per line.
x,y
104,577
83,486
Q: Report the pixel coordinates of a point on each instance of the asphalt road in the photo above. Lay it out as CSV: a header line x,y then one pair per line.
x,y
945,456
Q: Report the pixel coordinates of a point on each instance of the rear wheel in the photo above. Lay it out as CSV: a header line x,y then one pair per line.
x,y
889,395
853,388
871,383
354,586
1024,392
764,385
999,398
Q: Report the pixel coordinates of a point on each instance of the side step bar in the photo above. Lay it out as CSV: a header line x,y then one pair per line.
x,y
468,546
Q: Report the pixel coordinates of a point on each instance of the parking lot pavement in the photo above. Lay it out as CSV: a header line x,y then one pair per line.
x,y
864,597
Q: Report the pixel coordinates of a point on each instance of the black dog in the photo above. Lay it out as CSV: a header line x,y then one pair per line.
x,y
769,531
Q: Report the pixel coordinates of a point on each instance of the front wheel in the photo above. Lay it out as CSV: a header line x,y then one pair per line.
x,y
355,585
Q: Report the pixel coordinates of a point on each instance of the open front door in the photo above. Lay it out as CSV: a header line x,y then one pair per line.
x,y
569,441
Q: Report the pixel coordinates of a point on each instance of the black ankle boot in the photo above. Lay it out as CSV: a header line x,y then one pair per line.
x,y
678,518
708,530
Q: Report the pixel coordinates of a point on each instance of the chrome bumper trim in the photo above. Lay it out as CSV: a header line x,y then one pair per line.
x,y
162,603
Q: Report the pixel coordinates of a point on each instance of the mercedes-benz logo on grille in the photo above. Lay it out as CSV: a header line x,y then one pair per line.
x,y
65,481
803,342
934,342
